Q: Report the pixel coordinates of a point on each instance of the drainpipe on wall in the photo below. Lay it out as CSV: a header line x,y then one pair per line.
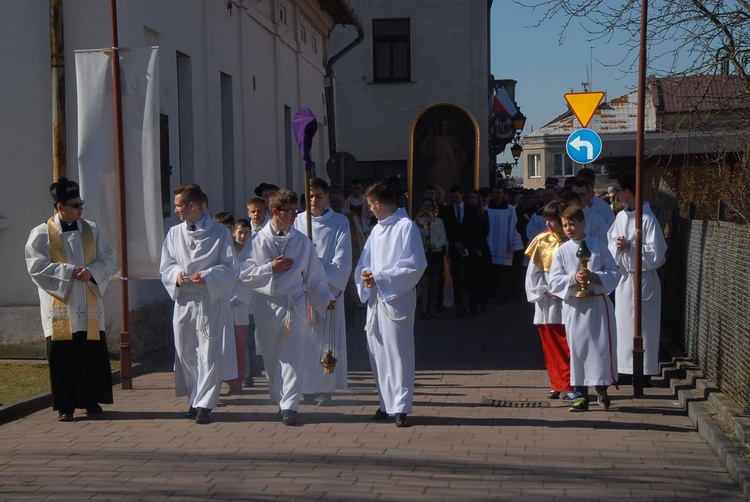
x,y
57,64
328,79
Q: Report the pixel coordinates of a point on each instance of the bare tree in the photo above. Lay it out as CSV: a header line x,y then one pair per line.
x,y
707,41
685,37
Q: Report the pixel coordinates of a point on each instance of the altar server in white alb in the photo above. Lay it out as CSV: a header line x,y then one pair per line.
x,y
388,271
199,269
622,246
547,307
598,205
71,263
589,321
280,265
333,245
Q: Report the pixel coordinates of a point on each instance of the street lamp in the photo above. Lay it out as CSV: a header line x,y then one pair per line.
x,y
505,126
519,121
516,150
504,171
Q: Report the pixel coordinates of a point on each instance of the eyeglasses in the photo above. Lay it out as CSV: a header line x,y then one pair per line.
x,y
75,205
290,211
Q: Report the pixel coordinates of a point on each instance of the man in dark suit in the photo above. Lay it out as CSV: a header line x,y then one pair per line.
x,y
463,232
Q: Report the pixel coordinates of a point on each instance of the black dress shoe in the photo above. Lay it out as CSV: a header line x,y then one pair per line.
x,y
94,409
65,416
203,417
380,415
401,420
289,417
191,412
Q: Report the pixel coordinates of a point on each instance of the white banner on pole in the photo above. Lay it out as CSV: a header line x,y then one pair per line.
x,y
97,170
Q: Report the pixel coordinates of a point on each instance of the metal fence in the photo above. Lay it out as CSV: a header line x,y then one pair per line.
x,y
705,300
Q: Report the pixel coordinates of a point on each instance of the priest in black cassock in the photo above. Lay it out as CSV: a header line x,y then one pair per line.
x,y
71,263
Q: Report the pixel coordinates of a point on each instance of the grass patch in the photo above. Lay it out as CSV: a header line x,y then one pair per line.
x,y
24,379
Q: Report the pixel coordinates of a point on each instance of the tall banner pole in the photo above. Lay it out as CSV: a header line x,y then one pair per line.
x,y
308,213
639,150
305,125
126,376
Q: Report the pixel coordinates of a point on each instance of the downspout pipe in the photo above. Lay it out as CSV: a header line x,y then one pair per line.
x,y
57,65
328,80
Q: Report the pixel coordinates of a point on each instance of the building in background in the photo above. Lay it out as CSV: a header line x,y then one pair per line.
x,y
420,59
697,121
232,75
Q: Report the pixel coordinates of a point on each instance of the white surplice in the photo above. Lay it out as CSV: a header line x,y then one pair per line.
x,y
537,225
653,256
333,245
56,279
395,255
280,304
547,310
503,237
202,320
589,322
595,224
604,210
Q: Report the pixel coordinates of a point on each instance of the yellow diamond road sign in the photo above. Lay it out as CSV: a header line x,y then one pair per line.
x,y
584,105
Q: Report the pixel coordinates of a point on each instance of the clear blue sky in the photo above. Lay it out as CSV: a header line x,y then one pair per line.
x,y
547,67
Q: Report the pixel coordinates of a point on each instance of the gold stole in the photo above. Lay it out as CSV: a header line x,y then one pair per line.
x,y
542,249
61,327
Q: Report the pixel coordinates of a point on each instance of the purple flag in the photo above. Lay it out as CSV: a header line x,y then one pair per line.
x,y
305,125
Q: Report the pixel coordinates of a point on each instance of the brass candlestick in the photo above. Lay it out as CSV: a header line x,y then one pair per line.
x,y
584,255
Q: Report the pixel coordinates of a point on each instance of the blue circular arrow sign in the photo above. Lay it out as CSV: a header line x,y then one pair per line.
x,y
584,146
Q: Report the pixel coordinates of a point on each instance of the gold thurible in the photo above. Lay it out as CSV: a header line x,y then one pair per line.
x,y
328,361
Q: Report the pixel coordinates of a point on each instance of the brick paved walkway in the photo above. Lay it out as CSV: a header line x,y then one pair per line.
x,y
458,449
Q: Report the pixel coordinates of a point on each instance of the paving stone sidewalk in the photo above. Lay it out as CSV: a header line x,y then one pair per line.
x,y
457,450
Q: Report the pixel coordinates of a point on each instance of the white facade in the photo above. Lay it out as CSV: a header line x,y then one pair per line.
x,y
260,60
449,63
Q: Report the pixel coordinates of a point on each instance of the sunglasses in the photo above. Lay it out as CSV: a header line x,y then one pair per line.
x,y
75,205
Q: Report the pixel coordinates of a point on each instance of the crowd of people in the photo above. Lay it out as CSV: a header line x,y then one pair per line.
x,y
586,254
245,290
495,243
256,293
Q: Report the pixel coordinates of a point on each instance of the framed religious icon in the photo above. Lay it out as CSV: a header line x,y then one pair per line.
x,y
443,151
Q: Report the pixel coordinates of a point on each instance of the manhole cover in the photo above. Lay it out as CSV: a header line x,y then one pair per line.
x,y
504,403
